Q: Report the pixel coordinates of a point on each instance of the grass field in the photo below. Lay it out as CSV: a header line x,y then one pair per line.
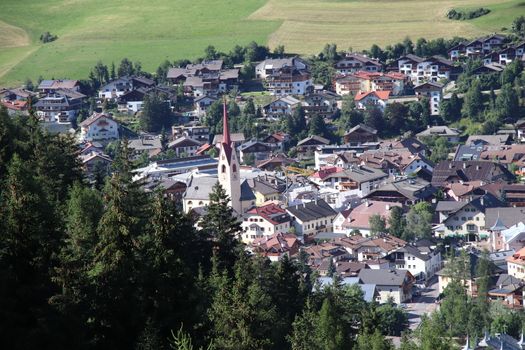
x,y
155,30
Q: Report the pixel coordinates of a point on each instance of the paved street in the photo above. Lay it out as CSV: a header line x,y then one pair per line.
x,y
423,304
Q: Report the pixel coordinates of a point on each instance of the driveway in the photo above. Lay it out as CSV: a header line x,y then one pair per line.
x,y
423,304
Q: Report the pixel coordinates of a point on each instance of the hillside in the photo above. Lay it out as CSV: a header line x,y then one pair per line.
x,y
91,30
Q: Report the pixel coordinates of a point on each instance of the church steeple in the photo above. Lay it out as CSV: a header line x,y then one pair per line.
x,y
225,129
228,167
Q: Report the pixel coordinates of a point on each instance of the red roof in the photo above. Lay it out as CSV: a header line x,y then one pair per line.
x,y
267,212
327,170
375,75
382,95
16,105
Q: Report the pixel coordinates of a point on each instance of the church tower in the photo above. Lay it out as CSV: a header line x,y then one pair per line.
x,y
228,168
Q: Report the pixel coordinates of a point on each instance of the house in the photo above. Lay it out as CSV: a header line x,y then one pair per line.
x,y
451,134
321,103
369,81
342,268
492,140
465,171
265,190
99,127
466,218
390,284
52,86
360,134
506,227
325,252
375,249
359,218
312,217
488,68
171,188
354,62
407,191
516,264
205,78
520,129
275,163
256,149
199,133
372,99
457,52
276,246
369,290
184,146
277,140
285,76
358,179
202,103
347,85
262,221
309,144
272,66
434,92
281,107
96,162
131,101
60,106
118,87
422,264
145,144
411,144
422,69
16,101
508,290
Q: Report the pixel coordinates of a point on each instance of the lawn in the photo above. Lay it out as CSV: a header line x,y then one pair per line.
x,y
146,31
155,30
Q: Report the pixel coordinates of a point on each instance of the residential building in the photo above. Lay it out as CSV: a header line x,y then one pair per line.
x,y
358,219
360,134
276,246
393,285
465,171
516,264
312,217
60,106
281,107
372,99
422,264
264,221
451,134
434,92
466,218
422,69
52,86
184,146
99,127
269,67
354,62
254,151
359,179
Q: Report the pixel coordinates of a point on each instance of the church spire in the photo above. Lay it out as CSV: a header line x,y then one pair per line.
x,y
225,128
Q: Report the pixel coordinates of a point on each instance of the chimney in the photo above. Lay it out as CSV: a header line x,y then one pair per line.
x,y
450,165
482,201
478,167
388,207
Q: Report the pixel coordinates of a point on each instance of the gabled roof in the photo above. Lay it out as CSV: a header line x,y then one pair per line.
x,y
317,140
183,141
312,210
383,277
271,213
439,131
362,127
94,118
382,95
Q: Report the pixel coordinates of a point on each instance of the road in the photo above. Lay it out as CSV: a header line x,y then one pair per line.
x,y
423,304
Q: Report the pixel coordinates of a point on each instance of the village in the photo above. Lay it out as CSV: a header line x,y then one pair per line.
x,y
380,208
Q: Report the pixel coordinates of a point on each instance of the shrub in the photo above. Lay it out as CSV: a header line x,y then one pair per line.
x,y
466,15
47,37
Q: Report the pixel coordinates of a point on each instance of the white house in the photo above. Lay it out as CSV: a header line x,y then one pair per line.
x,y
422,264
312,217
99,127
365,100
283,106
390,284
264,221
184,146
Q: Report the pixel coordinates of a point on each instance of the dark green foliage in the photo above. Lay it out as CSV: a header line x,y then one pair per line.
x,y
466,15
396,222
156,113
377,224
47,37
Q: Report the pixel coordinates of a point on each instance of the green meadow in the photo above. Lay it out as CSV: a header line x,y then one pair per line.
x,y
155,30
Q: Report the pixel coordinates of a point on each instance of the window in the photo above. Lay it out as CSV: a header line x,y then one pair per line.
x,y
234,168
471,227
223,169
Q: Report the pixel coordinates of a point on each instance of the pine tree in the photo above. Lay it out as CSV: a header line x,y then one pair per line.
x,y
396,222
329,332
302,336
222,227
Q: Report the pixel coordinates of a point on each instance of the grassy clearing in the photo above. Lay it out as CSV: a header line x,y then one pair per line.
x,y
152,31
309,24
149,32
